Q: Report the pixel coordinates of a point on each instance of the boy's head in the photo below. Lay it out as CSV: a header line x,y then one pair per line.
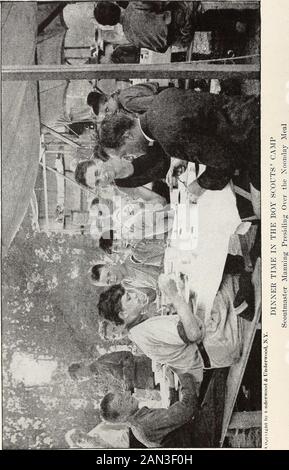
x,y
106,274
121,306
102,104
122,133
96,101
94,173
107,13
118,407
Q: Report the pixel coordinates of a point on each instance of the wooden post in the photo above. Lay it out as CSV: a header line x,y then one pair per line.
x,y
246,420
125,71
237,370
43,164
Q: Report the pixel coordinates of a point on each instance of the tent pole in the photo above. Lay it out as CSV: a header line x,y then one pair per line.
x,y
124,71
45,190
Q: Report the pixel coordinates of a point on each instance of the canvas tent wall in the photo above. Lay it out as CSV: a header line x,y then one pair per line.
x,y
20,117
50,50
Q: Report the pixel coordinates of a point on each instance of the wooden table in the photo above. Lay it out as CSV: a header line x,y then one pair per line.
x,y
199,259
208,228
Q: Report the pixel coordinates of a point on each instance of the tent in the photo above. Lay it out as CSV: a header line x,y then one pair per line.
x,y
20,118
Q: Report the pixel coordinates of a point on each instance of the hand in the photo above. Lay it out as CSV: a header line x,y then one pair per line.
x,y
168,286
195,191
169,377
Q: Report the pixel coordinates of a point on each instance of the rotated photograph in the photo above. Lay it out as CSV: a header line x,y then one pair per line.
x,y
131,225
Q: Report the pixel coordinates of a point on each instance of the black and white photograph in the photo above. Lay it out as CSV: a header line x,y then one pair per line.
x,y
131,225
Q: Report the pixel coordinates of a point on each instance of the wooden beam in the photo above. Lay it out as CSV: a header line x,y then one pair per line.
x,y
246,420
237,370
125,71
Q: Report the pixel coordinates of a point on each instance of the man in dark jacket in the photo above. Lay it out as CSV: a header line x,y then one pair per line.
x,y
218,131
150,166
151,425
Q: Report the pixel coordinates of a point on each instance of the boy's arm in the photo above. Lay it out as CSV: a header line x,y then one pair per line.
x,y
159,422
190,323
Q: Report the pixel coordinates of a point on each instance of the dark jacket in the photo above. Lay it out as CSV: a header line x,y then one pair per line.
x,y
148,168
218,131
151,426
